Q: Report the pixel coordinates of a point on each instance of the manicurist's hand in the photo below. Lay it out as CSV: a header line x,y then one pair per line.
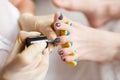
x,y
42,24
27,63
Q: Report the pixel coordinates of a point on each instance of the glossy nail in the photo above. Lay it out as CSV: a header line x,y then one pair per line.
x,y
57,40
61,52
64,60
68,33
60,17
71,43
58,24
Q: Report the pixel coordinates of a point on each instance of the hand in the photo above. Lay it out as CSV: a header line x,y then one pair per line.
x,y
88,43
42,24
27,64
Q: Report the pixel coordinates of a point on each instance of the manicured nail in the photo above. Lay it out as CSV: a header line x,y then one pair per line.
x,y
61,52
71,24
58,24
76,61
68,33
60,17
57,40
64,60
71,43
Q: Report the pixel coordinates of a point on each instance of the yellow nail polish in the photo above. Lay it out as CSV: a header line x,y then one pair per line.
x,y
63,33
73,54
69,23
73,63
66,45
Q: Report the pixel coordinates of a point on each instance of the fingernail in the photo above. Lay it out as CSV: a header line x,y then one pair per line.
x,y
58,24
61,52
71,24
64,60
60,17
68,33
71,43
57,40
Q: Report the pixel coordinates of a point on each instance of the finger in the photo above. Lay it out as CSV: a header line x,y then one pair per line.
x,y
45,58
51,47
23,35
49,32
62,26
29,54
20,43
60,17
65,51
43,61
51,35
63,39
45,26
68,58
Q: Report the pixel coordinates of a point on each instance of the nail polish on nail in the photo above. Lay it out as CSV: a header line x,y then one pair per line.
x,y
61,52
57,40
58,24
68,33
64,60
71,43
60,17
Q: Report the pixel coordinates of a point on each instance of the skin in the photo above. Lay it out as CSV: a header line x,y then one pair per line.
x,y
30,61
90,44
29,22
98,12
24,6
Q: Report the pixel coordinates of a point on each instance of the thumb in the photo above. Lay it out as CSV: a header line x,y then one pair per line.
x,y
26,57
20,43
30,53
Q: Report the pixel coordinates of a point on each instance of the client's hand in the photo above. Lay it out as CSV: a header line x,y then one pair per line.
x,y
27,64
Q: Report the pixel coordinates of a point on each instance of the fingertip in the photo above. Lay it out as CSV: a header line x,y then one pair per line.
x,y
62,26
60,52
60,16
62,40
57,24
56,15
68,58
57,40
66,51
